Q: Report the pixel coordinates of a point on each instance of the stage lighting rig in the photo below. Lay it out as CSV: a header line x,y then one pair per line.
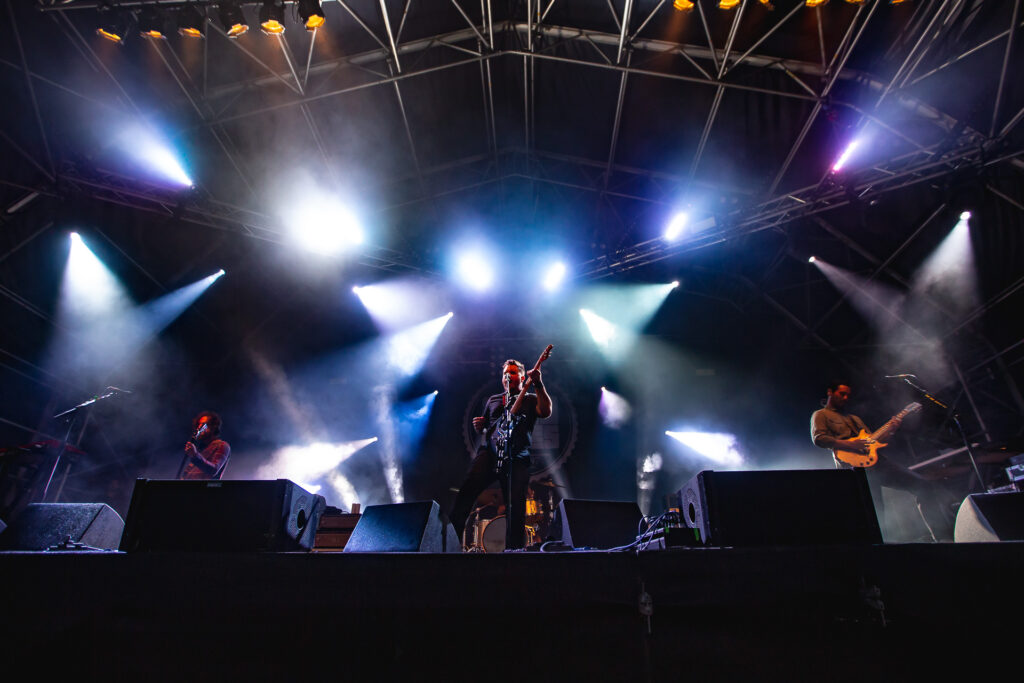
x,y
816,3
114,26
728,4
312,14
232,19
683,5
191,22
152,24
272,17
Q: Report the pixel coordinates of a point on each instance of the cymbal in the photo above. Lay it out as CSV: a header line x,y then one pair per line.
x,y
489,497
548,483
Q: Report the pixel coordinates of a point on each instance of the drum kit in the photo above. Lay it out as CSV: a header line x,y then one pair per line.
x,y
486,526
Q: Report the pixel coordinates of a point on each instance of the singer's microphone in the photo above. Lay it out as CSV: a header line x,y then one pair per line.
x,y
202,430
900,376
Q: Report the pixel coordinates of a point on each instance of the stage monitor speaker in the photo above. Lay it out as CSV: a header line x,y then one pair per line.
x,y
221,516
598,524
783,507
403,528
990,517
44,525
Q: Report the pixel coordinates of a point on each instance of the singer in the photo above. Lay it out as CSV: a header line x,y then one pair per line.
x,y
206,454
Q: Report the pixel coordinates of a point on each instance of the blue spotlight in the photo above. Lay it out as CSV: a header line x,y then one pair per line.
x,y
602,331
397,304
156,315
314,465
721,449
150,151
413,417
323,225
554,276
473,269
407,351
675,227
614,409
628,306
89,289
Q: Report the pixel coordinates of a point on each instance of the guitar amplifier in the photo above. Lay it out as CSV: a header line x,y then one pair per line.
x,y
335,529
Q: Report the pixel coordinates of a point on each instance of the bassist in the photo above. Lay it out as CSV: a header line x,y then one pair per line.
x,y
489,464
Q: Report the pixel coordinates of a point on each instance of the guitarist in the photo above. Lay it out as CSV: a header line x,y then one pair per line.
x,y
484,469
834,428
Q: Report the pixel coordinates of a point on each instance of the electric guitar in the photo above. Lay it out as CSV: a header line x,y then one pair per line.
x,y
874,440
511,417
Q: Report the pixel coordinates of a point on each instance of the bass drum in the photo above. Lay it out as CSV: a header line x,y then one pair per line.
x,y
493,536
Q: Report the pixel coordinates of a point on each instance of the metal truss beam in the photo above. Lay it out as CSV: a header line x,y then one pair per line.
x,y
903,171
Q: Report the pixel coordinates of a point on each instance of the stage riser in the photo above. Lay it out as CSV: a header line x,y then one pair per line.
x,y
770,613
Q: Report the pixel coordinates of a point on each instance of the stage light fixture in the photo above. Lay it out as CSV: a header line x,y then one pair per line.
x,y
856,2
845,156
722,449
312,14
191,22
473,269
152,24
554,276
965,215
816,3
272,17
767,3
675,227
728,4
683,5
811,260
114,26
232,19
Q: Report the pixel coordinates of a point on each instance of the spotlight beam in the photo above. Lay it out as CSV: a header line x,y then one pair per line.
x,y
880,266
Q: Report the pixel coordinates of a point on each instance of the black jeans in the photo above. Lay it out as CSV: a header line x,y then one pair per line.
x,y
482,474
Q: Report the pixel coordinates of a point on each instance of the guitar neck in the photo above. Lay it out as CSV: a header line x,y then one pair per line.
x,y
526,384
884,431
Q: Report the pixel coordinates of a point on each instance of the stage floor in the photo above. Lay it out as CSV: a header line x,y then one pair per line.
x,y
822,613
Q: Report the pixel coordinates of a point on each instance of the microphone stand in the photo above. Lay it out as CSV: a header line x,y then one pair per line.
x,y
956,420
72,416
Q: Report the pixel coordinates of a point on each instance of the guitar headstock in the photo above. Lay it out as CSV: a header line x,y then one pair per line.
x,y
546,354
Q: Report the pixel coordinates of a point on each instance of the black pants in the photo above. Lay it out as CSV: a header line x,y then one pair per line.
x,y
931,497
482,474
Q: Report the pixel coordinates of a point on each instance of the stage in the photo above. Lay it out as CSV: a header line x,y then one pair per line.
x,y
822,613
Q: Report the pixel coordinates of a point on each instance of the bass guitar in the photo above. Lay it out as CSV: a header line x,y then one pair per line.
x,y
874,440
510,418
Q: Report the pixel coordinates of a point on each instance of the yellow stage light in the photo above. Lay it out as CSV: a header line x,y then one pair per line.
x,y
272,17
312,14
683,5
232,19
191,21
